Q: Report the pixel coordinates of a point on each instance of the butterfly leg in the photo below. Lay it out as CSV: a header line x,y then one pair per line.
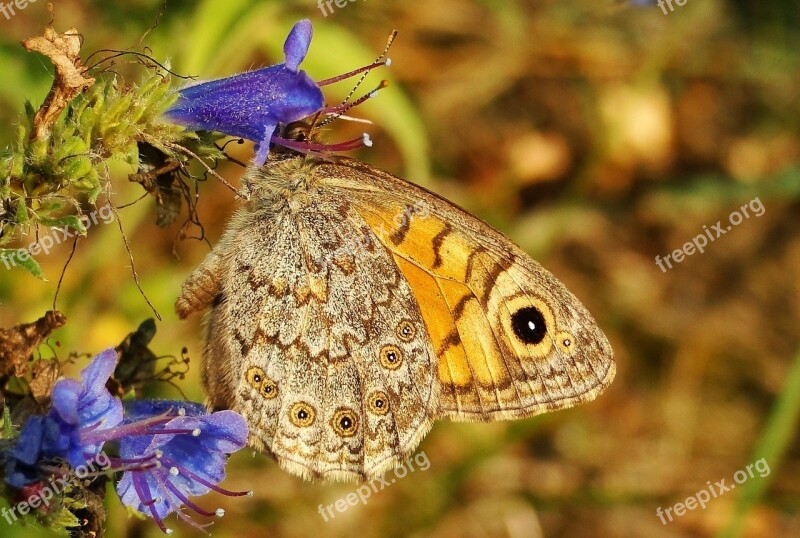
x,y
202,288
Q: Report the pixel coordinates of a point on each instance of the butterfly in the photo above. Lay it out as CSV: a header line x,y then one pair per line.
x,y
348,309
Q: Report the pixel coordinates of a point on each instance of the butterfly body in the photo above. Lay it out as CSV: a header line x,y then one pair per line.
x,y
348,309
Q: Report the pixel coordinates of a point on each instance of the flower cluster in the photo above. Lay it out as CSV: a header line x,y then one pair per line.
x,y
252,105
168,450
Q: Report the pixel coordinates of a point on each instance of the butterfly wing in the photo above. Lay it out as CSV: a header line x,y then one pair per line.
x,y
315,337
351,309
510,340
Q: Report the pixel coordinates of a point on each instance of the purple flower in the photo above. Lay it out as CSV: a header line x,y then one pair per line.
x,y
29,449
80,410
251,105
169,450
84,408
168,462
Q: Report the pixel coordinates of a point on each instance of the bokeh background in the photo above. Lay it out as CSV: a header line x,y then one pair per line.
x,y
597,135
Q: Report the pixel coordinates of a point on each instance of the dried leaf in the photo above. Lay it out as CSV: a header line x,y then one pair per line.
x,y
18,343
44,375
70,80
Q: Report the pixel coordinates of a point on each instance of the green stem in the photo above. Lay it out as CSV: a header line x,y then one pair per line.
x,y
771,446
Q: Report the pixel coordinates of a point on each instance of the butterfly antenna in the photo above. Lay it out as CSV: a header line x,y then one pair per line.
x,y
337,111
379,61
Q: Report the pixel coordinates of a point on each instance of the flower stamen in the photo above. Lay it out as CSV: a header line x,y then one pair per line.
x,y
211,486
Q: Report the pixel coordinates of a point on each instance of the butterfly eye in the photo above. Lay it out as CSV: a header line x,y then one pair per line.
x,y
345,422
254,377
297,130
302,414
406,331
391,357
566,342
268,389
379,403
529,325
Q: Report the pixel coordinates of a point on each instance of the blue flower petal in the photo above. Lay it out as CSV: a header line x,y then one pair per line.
x,y
65,396
127,493
97,404
22,458
250,105
224,431
189,463
136,410
28,445
82,406
150,488
297,43
95,375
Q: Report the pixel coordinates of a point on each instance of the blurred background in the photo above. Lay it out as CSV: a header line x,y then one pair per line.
x,y
597,135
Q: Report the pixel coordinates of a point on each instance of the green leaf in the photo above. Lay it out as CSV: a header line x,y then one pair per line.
x,y
773,445
73,221
22,211
8,427
209,28
64,519
10,257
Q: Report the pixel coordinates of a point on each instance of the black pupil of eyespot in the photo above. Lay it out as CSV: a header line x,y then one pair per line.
x,y
302,414
391,356
257,378
268,389
346,423
528,324
406,329
378,403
